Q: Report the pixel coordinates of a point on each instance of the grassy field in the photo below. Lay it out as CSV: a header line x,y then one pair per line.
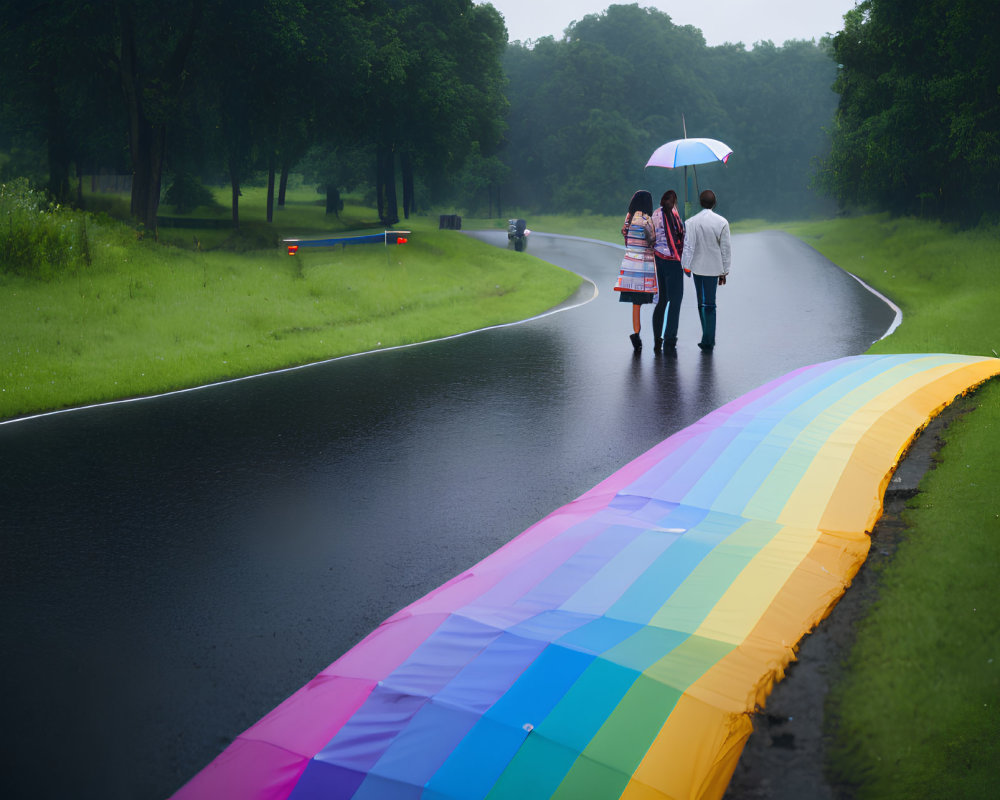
x,y
145,318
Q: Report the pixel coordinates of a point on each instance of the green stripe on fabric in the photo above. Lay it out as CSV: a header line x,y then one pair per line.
x,y
617,749
777,487
690,605
624,739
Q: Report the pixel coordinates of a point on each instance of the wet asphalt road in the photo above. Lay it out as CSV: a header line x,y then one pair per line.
x,y
172,569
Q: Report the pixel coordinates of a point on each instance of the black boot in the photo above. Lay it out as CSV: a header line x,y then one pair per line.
x,y
657,344
636,342
670,344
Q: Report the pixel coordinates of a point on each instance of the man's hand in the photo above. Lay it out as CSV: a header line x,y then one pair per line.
x,y
722,280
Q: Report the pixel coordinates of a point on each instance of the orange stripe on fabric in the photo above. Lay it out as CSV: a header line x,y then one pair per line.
x,y
844,510
698,747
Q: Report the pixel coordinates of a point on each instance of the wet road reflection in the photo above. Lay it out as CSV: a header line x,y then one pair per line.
x,y
174,568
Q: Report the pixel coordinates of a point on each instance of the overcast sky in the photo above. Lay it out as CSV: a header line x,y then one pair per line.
x,y
720,20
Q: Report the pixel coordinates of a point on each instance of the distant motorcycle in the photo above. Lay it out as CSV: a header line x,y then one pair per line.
x,y
517,234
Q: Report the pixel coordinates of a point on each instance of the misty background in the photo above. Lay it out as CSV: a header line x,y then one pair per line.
x,y
425,107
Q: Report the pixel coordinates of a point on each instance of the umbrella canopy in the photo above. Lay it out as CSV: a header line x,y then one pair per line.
x,y
618,647
688,152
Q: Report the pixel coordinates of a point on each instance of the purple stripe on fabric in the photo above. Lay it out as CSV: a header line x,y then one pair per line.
x,y
437,728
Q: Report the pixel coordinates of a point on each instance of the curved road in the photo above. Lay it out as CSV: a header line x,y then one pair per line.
x,y
174,568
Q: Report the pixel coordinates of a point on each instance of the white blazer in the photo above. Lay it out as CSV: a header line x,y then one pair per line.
x,y
707,249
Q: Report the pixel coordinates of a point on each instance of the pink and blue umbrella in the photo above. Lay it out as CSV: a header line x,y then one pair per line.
x,y
689,152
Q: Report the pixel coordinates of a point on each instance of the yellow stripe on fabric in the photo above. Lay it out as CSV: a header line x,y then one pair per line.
x,y
685,610
844,511
885,416
770,499
752,592
696,750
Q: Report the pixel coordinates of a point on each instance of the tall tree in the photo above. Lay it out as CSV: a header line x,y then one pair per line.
x,y
436,88
57,85
154,43
918,124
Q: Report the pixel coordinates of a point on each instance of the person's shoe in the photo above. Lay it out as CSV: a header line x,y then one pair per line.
x,y
707,348
636,341
669,344
657,344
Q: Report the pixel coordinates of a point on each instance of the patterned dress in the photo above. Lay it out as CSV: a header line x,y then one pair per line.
x,y
637,276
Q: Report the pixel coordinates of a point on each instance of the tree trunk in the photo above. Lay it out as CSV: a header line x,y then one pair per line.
x,y
380,181
406,164
58,148
388,207
333,202
282,185
270,188
147,140
234,182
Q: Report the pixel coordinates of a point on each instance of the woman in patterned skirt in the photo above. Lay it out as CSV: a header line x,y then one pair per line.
x,y
637,277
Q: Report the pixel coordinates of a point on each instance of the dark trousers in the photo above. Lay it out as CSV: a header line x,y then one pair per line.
x,y
670,279
706,286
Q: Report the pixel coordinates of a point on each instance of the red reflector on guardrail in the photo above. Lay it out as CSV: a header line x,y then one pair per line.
x,y
400,240
293,249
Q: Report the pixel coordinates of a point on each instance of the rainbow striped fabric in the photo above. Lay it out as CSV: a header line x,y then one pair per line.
x,y
618,647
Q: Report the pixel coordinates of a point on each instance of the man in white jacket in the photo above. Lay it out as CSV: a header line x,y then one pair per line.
x,y
707,254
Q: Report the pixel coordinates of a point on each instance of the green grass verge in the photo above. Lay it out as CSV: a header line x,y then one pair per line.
x,y
146,318
918,711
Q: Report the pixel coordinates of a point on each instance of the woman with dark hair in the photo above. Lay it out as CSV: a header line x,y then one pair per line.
x,y
669,276
637,277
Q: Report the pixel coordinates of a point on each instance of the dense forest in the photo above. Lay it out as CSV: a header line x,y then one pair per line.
x,y
229,89
424,103
918,126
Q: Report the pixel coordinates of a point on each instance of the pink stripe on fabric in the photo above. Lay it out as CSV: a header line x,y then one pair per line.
x,y
267,760
248,770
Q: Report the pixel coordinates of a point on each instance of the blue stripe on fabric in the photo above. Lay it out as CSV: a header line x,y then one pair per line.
x,y
549,626
479,759
438,726
580,567
742,469
619,572
655,586
582,710
600,635
416,753
708,455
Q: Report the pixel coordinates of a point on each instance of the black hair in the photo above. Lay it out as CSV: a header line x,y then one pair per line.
x,y
707,199
641,201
